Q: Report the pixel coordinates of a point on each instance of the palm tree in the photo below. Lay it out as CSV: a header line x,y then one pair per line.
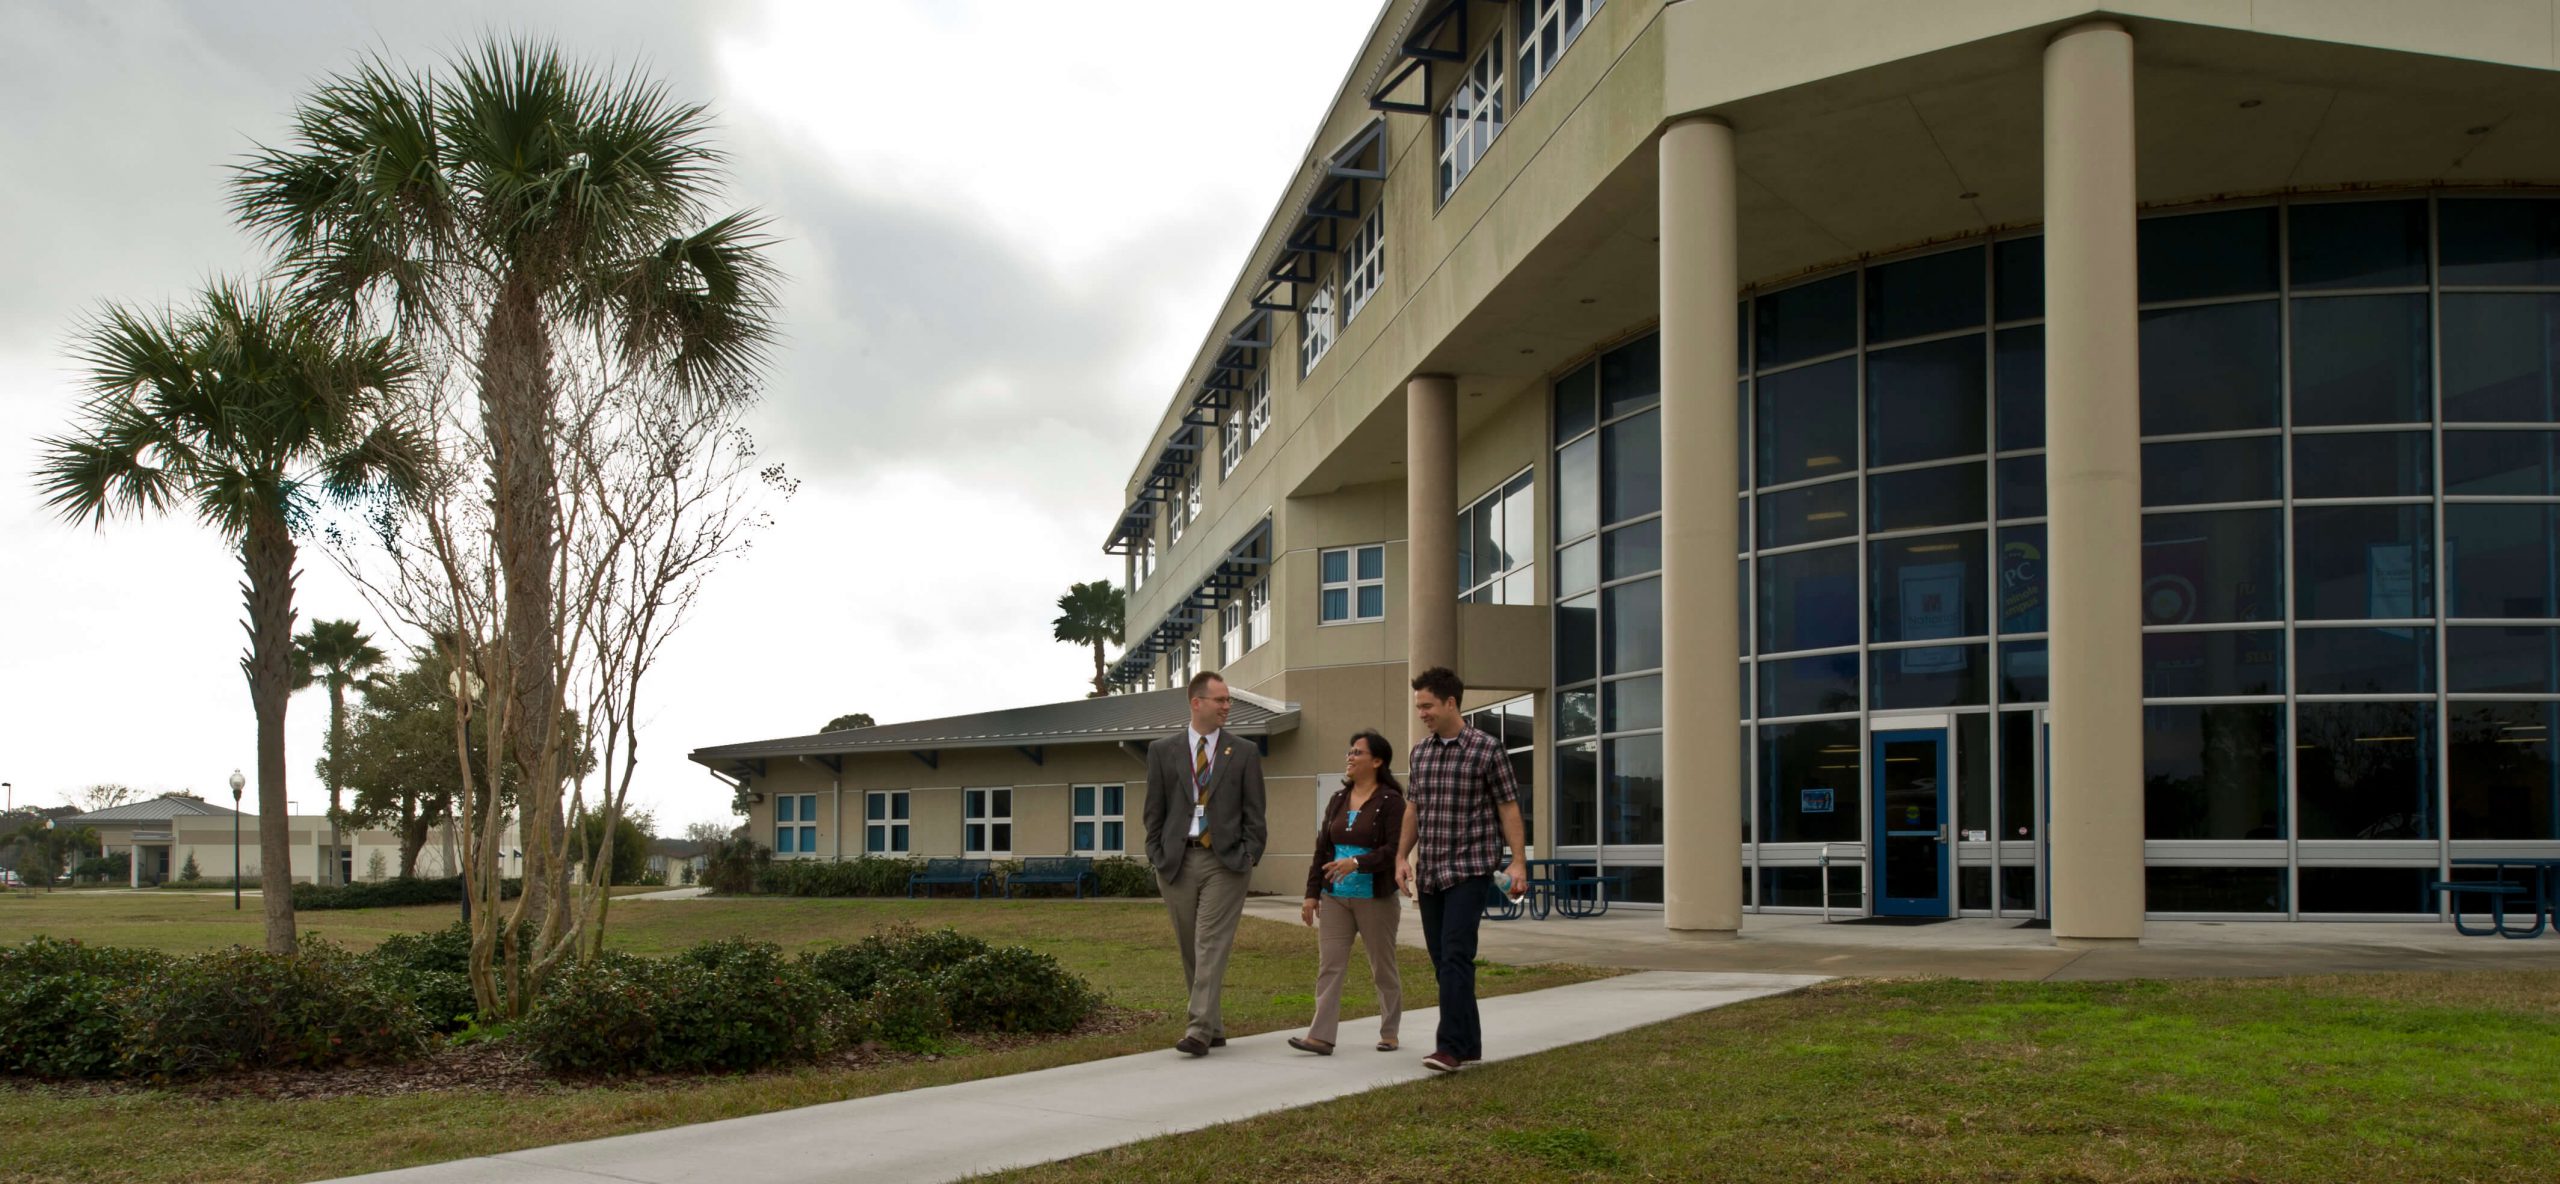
x,y
250,413
518,203
339,655
1091,614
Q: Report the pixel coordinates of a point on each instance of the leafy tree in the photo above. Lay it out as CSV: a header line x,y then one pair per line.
x,y
190,873
45,852
1092,614
847,723
249,412
522,206
338,655
631,838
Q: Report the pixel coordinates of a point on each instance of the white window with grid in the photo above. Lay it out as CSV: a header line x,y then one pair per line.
x,y
1364,262
1231,443
1497,538
1352,584
795,819
1100,827
987,822
1257,407
1257,621
1471,118
1316,328
1231,639
884,822
1174,517
1191,494
1547,29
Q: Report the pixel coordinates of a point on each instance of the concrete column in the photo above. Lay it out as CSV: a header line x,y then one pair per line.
x,y
2093,475
1701,707
1431,522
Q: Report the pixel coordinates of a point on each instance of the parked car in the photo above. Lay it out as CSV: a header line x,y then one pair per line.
x,y
9,879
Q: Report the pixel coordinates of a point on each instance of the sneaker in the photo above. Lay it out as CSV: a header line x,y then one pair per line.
x,y
1441,1062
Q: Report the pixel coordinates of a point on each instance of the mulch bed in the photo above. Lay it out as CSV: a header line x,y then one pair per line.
x,y
503,1066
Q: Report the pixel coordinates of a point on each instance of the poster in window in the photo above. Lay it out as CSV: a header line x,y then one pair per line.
x,y
1932,599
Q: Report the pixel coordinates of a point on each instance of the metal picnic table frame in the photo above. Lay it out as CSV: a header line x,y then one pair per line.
x,y
2542,893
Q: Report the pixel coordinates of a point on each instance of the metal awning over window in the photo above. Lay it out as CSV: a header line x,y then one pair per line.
x,y
1244,562
1438,35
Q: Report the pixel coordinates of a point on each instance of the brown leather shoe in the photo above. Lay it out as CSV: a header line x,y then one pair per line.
x,y
1191,1046
1217,1042
1441,1062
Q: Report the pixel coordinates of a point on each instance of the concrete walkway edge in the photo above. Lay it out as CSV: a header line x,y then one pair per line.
x,y
952,1132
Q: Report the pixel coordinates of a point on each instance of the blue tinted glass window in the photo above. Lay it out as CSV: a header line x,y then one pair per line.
x,y
1578,793
1807,422
1805,321
1808,685
2213,772
2210,369
2502,462
1631,802
1372,562
2500,777
1925,401
1633,704
1578,639
783,808
2018,373
2499,241
1632,550
1574,405
2364,464
1808,599
1930,294
1810,790
2017,278
2196,256
2021,482
2364,661
1948,495
1631,377
1084,836
2368,889
2025,672
2362,561
2213,889
2211,567
2361,359
1337,566
1631,627
1337,604
1928,587
2360,244
1809,514
2196,665
1631,467
1578,488
1372,600
1083,800
2498,560
2502,660
2021,574
2499,358
1929,676
2203,472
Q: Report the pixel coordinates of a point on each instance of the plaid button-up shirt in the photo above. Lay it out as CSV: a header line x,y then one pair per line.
x,y
1458,787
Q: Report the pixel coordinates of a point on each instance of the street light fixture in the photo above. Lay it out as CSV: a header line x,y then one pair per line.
x,y
238,783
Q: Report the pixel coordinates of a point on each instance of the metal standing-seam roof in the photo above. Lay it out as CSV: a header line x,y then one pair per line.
x,y
1112,719
154,810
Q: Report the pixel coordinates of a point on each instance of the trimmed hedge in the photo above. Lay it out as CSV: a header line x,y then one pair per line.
x,y
383,894
248,1009
1014,989
61,1012
877,875
730,1004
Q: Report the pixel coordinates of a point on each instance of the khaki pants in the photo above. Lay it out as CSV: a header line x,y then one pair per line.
x,y
1206,901
1374,921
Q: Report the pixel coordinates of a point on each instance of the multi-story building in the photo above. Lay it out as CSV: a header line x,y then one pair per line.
x,y
2034,459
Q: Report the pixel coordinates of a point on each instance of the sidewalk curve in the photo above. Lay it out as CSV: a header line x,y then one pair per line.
x,y
951,1132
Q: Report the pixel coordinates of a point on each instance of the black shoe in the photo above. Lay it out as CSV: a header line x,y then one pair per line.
x,y
1191,1046
1217,1042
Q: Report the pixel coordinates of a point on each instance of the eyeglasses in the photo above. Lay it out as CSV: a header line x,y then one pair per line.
x,y
1217,699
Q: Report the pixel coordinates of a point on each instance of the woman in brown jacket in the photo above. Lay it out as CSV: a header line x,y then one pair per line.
x,y
1351,889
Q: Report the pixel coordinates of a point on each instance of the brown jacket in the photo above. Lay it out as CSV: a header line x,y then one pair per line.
x,y
1380,828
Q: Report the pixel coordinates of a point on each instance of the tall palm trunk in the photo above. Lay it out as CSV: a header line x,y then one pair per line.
x,y
267,556
1100,687
337,747
515,393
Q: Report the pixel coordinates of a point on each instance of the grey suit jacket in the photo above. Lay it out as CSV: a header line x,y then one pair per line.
x,y
1236,827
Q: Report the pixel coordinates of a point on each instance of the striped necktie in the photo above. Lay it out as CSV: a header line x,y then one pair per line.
x,y
1200,784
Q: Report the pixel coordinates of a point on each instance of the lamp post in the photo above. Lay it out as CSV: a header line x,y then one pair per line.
x,y
238,783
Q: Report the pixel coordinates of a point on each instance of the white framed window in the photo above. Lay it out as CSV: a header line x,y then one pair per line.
x,y
1100,828
1257,407
1174,516
1547,29
795,824
1191,494
987,825
1316,328
1142,562
1352,584
1364,262
1471,117
1497,536
1257,622
1186,661
884,822
1231,639
1231,443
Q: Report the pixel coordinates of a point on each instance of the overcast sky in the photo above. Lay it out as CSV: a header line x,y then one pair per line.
x,y
1009,224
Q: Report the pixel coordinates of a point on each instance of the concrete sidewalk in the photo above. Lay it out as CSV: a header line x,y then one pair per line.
x,y
954,1131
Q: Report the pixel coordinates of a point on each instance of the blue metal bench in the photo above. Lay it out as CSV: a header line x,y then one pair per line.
x,y
976,873
1070,870
2497,891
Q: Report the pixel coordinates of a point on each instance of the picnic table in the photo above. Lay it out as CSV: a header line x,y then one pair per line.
x,y
2537,886
1556,888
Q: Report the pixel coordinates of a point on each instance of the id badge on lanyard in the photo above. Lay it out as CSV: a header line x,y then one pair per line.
x,y
1199,817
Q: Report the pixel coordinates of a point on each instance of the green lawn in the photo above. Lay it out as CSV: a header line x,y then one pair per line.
x,y
1123,947
2400,1077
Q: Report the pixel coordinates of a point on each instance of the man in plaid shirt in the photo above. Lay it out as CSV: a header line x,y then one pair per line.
x,y
1460,788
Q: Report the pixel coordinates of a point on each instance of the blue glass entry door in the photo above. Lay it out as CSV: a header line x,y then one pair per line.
x,y
1910,854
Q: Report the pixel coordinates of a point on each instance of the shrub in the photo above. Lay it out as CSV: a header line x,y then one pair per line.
x,y
728,1004
1014,989
393,893
246,1009
902,950
61,1013
734,864
1120,875
904,1011
599,1015
188,872
433,969
866,876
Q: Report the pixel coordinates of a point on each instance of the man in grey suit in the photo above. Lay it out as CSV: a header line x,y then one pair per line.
x,y
1204,834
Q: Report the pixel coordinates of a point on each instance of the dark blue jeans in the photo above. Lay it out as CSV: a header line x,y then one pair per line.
x,y
1449,920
